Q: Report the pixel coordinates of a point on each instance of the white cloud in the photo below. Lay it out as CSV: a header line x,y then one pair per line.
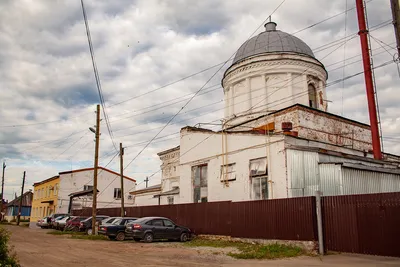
x,y
46,73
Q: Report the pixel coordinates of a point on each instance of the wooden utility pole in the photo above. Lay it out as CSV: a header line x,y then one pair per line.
x,y
147,181
121,166
2,192
96,165
20,200
396,23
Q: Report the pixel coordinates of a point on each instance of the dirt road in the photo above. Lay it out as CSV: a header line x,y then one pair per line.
x,y
35,248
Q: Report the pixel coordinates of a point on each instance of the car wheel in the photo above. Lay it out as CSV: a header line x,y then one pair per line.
x,y
120,236
148,238
75,229
137,239
184,237
89,231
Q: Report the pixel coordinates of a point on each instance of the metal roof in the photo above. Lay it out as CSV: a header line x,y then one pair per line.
x,y
174,191
272,41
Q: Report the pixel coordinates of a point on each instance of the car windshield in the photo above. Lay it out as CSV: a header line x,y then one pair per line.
x,y
59,218
117,222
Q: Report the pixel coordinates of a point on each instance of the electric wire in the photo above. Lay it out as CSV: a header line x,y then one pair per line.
x,y
213,133
96,74
198,91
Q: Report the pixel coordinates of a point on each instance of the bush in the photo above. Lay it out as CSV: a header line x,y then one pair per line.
x,y
7,257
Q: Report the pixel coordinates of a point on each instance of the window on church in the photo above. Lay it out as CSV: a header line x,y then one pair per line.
x,y
199,178
259,178
228,172
312,96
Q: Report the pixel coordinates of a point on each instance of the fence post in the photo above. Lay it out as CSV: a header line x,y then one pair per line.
x,y
318,203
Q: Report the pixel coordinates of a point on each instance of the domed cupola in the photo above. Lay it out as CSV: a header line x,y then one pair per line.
x,y
272,71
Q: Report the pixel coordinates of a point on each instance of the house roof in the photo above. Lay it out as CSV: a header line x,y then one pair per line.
x,y
26,200
149,189
101,168
82,193
46,181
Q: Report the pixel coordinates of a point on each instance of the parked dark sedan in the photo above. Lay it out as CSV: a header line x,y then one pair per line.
x,y
116,229
156,228
86,225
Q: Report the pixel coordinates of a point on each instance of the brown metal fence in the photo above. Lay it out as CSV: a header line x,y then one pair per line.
x,y
285,219
366,224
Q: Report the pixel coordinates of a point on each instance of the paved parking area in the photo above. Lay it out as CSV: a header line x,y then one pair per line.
x,y
35,248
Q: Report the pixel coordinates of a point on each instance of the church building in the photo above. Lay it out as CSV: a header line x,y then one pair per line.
x,y
278,139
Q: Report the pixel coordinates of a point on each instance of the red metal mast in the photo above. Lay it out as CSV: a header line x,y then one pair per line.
x,y
376,144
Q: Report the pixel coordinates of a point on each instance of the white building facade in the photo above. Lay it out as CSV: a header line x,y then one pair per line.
x,y
81,180
277,138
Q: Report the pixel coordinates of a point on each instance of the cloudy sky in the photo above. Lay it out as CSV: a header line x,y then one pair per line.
x,y
48,91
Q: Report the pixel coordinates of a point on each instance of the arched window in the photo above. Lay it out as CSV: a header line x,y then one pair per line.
x,y
312,96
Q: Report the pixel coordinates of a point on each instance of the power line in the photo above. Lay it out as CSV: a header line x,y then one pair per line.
x,y
213,133
189,76
96,75
161,107
216,65
213,111
198,91
379,43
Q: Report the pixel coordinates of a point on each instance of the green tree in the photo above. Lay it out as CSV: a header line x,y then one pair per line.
x,y
7,257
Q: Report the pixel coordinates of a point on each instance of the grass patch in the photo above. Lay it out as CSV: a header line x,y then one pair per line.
x,y
251,251
55,232
90,237
78,235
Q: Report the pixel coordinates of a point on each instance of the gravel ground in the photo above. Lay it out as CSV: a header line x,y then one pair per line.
x,y
35,248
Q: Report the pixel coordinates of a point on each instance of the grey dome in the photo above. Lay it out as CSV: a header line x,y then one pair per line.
x,y
272,41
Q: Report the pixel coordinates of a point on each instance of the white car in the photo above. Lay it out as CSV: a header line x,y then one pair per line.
x,y
54,222
61,222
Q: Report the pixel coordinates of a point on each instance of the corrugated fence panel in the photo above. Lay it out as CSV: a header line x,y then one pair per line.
x,y
285,219
367,224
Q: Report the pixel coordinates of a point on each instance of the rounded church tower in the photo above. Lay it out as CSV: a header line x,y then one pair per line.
x,y
272,71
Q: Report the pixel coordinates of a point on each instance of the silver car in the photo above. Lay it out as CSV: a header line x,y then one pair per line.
x,y
44,223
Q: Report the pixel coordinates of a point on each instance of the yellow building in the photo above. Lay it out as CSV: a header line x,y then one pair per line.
x,y
45,196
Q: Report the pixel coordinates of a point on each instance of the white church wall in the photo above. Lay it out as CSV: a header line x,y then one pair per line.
x,y
242,148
